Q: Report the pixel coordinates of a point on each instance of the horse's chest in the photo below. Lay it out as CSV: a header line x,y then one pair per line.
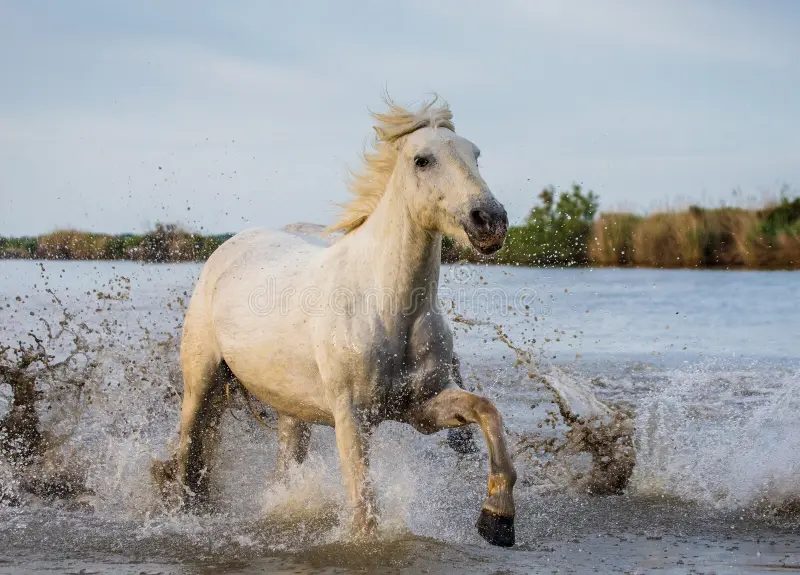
x,y
408,369
387,363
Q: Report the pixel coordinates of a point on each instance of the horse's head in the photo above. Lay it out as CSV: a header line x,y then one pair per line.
x,y
435,171
445,191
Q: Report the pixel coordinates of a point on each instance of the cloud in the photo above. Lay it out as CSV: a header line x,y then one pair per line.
x,y
254,114
736,33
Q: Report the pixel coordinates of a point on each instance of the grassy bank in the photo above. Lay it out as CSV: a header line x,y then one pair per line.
x,y
562,230
165,243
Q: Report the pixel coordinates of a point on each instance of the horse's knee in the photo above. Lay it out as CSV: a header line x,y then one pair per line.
x,y
484,408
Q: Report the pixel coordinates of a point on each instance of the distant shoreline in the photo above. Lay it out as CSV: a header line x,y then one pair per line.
x,y
562,232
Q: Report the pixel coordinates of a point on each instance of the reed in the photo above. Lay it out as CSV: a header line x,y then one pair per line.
x,y
699,237
611,241
667,240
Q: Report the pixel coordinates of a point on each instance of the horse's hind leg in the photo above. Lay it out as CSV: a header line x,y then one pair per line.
x,y
204,378
293,438
201,411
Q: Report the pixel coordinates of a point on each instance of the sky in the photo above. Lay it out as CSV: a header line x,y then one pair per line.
x,y
226,115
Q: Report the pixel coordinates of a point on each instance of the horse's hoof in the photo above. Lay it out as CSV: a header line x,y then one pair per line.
x,y
164,474
197,506
496,529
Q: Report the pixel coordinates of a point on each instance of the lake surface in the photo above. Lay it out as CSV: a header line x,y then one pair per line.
x,y
707,363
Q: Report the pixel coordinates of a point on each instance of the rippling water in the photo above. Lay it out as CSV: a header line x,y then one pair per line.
x,y
707,363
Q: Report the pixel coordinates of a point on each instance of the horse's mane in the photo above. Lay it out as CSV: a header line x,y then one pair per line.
x,y
369,184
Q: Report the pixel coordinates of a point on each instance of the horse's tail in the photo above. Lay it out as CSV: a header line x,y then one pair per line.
x,y
259,412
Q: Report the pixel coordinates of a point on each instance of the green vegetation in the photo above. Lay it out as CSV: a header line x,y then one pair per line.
x,y
555,233
562,230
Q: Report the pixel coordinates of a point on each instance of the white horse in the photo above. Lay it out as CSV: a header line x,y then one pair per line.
x,y
350,334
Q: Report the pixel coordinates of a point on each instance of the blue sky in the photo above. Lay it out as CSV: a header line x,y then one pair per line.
x,y
231,114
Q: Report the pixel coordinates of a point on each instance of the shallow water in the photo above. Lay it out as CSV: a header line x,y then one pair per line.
x,y
707,363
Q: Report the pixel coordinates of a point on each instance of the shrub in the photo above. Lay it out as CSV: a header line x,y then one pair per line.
x,y
560,231
20,248
165,243
776,241
72,245
555,232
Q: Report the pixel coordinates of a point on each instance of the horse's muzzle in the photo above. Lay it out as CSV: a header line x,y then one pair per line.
x,y
486,227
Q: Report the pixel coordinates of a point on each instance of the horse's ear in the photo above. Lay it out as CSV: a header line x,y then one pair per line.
x,y
380,133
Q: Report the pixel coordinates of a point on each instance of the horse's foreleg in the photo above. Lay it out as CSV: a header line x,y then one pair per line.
x,y
293,438
352,441
454,408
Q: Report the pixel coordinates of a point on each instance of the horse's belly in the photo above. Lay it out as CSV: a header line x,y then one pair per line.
x,y
260,330
281,378
273,358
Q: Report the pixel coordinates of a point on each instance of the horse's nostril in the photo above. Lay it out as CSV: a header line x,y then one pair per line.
x,y
480,218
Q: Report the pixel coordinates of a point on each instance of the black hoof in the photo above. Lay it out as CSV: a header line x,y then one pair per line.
x,y
496,529
197,504
461,441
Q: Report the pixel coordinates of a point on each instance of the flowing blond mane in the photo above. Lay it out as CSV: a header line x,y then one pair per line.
x,y
368,184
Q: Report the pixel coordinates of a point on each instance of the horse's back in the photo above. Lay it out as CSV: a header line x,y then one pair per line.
x,y
249,275
262,248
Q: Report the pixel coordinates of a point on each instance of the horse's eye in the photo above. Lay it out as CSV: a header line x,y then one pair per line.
x,y
421,161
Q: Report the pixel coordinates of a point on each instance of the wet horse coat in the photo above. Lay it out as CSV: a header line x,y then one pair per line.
x,y
351,334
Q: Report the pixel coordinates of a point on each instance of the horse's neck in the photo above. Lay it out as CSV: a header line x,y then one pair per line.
x,y
400,257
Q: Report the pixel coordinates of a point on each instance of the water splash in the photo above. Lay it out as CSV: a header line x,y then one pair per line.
x,y
594,453
722,438
711,434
